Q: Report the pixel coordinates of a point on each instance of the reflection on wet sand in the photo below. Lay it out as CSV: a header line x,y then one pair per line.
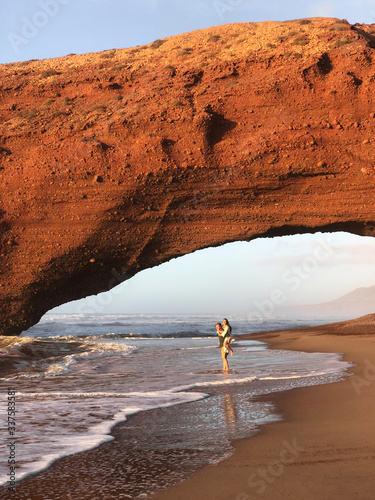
x,y
229,411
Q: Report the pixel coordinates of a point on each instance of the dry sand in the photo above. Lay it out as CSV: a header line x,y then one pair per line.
x,y
325,446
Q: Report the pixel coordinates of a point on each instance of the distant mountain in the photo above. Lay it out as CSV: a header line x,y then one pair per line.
x,y
359,295
357,303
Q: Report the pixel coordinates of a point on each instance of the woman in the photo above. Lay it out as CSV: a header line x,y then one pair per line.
x,y
226,349
227,329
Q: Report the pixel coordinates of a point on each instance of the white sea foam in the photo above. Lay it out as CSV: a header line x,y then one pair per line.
x,y
114,408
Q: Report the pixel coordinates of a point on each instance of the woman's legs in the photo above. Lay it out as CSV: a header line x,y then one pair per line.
x,y
224,355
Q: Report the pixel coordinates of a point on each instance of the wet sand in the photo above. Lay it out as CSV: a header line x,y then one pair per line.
x,y
325,446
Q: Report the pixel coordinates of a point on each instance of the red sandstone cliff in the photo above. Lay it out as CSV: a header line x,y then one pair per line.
x,y
114,162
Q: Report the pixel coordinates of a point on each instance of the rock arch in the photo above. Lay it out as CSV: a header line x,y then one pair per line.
x,y
119,161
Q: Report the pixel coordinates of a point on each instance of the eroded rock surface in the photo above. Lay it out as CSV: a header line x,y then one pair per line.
x,y
114,162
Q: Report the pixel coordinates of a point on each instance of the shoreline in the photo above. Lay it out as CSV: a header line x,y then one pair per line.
x,y
324,448
282,457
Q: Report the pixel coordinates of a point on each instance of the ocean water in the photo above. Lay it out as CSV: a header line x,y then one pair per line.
x,y
75,377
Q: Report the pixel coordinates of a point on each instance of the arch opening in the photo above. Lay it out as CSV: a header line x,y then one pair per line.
x,y
320,276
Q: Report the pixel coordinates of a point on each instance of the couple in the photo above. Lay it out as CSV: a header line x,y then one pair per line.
x,y
224,332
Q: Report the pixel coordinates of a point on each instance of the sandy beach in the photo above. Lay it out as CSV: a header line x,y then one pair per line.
x,y
325,446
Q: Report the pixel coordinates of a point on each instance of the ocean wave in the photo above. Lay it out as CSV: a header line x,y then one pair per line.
x,y
7,343
234,381
135,335
215,383
142,325
117,323
34,358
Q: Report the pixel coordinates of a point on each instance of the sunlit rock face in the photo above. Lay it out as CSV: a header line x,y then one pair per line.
x,y
114,162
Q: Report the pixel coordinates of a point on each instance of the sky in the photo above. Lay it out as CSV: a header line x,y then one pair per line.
x,y
237,277
39,29
253,278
